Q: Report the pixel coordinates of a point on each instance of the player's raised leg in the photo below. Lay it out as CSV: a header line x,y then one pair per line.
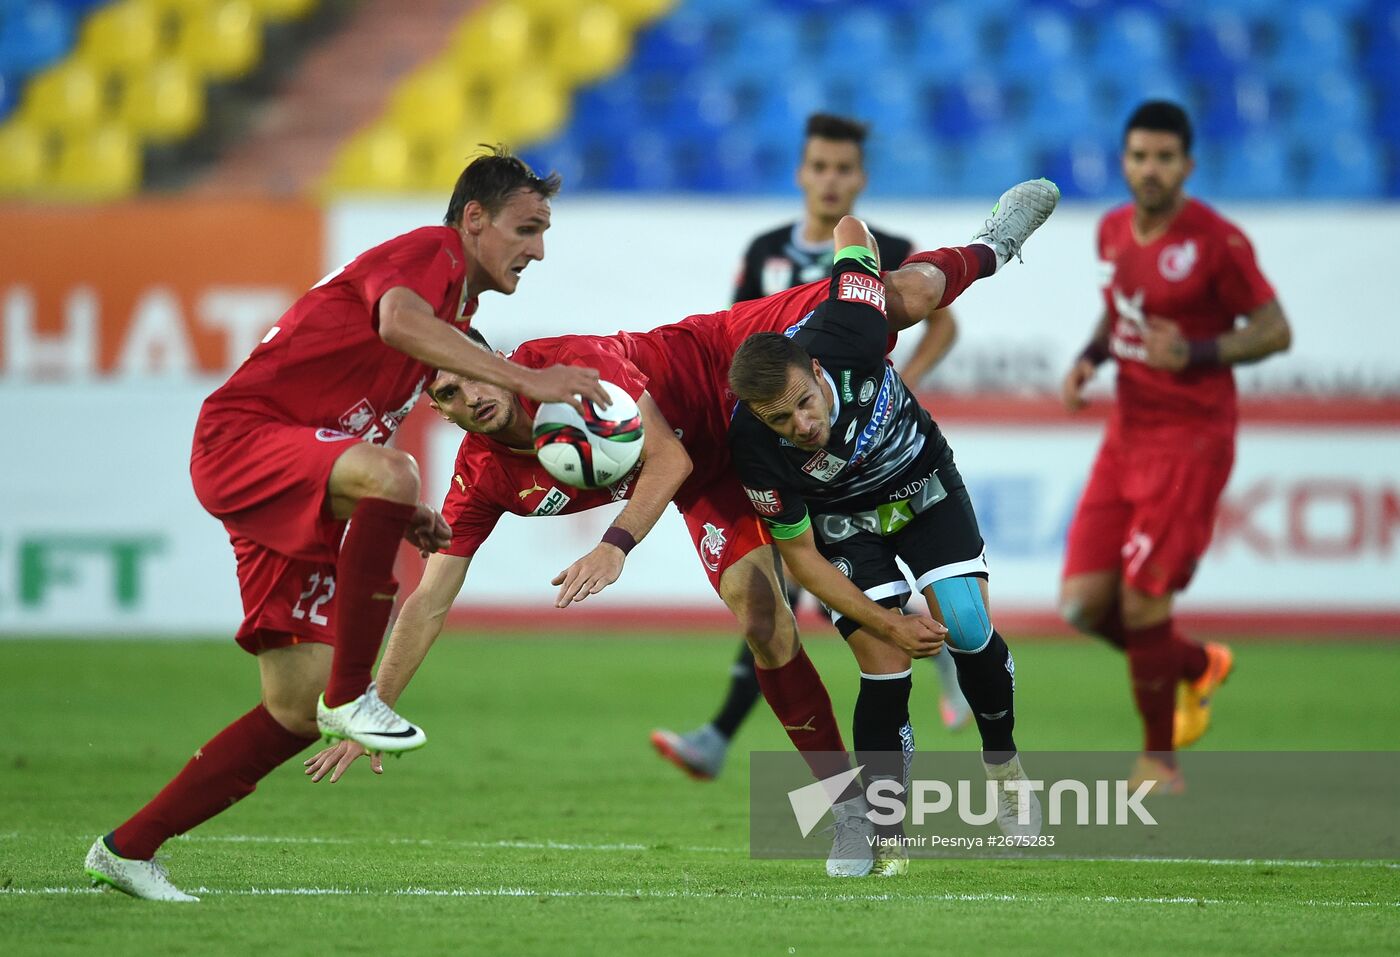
x,y
226,769
700,753
377,489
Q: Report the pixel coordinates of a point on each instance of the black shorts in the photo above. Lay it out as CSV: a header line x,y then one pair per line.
x,y
942,542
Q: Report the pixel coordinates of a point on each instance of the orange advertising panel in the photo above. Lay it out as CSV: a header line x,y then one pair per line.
x,y
148,289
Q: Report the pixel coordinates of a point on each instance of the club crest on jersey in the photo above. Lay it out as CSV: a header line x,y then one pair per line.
x,y
765,501
843,565
858,287
712,547
824,466
1176,262
358,417
552,504
331,435
867,391
777,274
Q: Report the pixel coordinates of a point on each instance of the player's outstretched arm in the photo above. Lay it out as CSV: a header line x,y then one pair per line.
x,y
407,323
1085,365
665,465
918,637
418,626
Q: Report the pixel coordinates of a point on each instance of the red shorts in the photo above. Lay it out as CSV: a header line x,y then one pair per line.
x,y
1148,511
268,485
722,525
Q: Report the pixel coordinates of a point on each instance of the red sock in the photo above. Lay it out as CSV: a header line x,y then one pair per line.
x,y
1153,666
365,590
797,696
222,772
961,267
1190,656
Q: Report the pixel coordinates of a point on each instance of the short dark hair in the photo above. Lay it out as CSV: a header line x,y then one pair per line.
x,y
759,370
478,338
829,126
491,178
1161,116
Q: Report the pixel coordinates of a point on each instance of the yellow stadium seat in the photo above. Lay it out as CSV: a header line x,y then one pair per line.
x,y
279,10
548,11
527,107
590,44
22,156
103,163
379,158
641,11
222,39
494,40
121,36
69,96
430,101
164,102
451,156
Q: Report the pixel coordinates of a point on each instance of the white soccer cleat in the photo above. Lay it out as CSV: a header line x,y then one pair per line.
x,y
1022,210
699,753
1018,812
369,722
144,879
853,837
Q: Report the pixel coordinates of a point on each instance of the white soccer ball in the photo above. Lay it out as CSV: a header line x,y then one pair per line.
x,y
592,450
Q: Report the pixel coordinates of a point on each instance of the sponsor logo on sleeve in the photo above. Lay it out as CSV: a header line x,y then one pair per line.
x,y
824,466
552,504
846,394
858,287
331,435
765,501
850,433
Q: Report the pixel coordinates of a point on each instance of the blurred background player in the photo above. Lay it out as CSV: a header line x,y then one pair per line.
x,y
1177,277
293,446
832,176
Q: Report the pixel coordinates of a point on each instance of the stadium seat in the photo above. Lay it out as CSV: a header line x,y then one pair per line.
x,y
965,108
1219,47
636,12
430,101
375,159
493,40
1126,92
9,93
854,39
988,164
1130,41
65,97
1039,42
222,40
1330,102
679,43
100,163
1062,107
946,44
760,47
1382,56
21,159
907,164
162,103
591,42
1235,107
610,109
1258,167
526,106
1309,37
276,11
34,37
1087,169
1345,166
122,36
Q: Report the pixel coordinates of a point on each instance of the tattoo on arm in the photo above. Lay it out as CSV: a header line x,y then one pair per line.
x,y
1265,332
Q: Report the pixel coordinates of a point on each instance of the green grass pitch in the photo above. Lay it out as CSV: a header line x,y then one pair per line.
x,y
539,821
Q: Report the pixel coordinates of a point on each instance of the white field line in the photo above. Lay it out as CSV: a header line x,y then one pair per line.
x,y
643,893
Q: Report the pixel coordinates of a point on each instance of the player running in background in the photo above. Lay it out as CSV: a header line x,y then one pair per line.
x,y
832,176
851,473
679,374
292,446
1177,276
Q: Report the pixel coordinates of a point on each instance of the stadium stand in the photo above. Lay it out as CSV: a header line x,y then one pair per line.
x,y
1294,98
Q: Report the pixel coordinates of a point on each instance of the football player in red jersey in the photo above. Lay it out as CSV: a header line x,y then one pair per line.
x,y
1177,277
679,376
292,446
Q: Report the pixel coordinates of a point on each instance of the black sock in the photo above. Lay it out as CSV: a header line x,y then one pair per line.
x,y
880,730
988,681
743,693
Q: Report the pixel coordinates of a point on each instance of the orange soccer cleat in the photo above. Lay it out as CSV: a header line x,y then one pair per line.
x,y
1194,700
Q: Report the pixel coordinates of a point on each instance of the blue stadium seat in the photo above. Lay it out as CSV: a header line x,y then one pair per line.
x,y
1330,103
611,109
962,110
1125,93
561,156
702,107
856,39
1309,38
991,163
1388,116
1236,107
784,107
762,47
1130,42
679,42
1038,42
1259,167
907,164
1219,47
34,36
1064,106
1346,166
1086,169
947,44
1382,55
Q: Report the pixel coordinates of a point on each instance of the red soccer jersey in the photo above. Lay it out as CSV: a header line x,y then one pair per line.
x,y
324,364
1201,274
684,367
